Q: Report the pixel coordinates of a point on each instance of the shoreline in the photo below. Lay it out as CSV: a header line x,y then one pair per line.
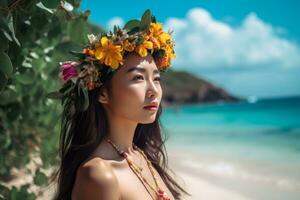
x,y
207,177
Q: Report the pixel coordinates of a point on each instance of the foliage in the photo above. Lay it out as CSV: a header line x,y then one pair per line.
x,y
34,36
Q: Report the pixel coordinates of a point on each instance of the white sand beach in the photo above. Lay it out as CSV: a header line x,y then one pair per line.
x,y
218,179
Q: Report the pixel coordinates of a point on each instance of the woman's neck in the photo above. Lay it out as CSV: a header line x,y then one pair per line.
x,y
121,133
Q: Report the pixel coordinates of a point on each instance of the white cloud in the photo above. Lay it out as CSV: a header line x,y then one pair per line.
x,y
115,21
206,43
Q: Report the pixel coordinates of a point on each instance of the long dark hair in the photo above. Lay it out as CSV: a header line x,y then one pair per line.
x,y
81,132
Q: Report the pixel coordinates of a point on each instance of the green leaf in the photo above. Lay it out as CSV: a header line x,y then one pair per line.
x,y
40,178
6,65
71,88
78,30
146,19
83,98
25,79
21,193
54,31
4,29
42,6
78,54
8,96
3,23
66,89
132,24
134,30
140,40
3,80
51,4
10,25
3,41
3,3
153,19
6,34
54,95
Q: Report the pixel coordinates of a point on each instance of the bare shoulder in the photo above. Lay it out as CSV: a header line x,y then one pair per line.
x,y
95,179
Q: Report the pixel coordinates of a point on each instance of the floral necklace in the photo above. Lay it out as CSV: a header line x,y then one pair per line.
x,y
160,194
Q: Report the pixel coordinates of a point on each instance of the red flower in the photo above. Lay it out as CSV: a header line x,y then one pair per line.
x,y
68,70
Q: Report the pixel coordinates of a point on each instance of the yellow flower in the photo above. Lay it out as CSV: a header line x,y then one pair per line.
x,y
158,36
128,46
142,48
155,28
164,38
170,51
108,53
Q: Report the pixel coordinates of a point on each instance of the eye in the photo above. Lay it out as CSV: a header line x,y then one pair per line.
x,y
157,78
138,77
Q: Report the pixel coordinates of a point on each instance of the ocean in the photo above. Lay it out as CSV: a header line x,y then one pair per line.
x,y
256,141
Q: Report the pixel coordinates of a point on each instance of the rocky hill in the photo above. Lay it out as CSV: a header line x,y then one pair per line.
x,y
180,87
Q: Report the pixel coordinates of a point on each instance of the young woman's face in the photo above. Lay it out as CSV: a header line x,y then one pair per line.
x,y
135,85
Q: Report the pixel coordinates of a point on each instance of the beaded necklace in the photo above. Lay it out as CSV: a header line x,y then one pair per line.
x,y
160,194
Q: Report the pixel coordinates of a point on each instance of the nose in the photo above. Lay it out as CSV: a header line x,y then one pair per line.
x,y
152,89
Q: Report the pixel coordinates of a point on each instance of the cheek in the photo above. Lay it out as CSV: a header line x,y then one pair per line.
x,y
159,97
128,97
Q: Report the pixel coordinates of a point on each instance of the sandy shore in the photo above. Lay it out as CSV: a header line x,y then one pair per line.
x,y
199,187
207,177
202,189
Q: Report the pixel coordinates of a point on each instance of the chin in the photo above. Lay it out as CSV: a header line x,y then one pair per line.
x,y
148,120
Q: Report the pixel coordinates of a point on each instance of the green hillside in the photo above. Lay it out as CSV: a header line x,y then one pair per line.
x,y
180,87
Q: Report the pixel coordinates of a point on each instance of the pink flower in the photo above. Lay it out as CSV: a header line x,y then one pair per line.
x,y
68,70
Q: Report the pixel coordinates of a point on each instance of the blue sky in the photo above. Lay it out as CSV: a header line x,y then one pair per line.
x,y
249,47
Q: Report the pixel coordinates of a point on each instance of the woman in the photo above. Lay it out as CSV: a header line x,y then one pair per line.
x,y
111,143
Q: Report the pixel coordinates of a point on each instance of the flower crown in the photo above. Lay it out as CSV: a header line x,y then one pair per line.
x,y
105,54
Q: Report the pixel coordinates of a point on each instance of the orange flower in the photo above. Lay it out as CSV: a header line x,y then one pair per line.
x,y
155,41
142,48
88,51
108,53
158,36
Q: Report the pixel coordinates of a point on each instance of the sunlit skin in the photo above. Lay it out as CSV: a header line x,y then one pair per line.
x,y
105,174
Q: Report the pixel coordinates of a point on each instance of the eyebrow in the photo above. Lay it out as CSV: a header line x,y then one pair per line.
x,y
140,70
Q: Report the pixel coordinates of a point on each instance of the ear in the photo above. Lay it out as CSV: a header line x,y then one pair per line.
x,y
103,96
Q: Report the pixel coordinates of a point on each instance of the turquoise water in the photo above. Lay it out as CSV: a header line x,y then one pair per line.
x,y
241,146
265,130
